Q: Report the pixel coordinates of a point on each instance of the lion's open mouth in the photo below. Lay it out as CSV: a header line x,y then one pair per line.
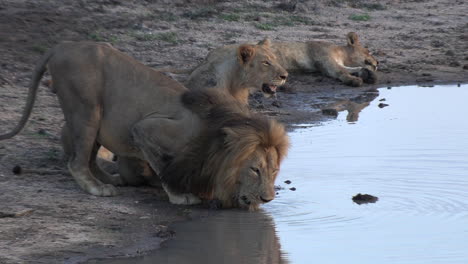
x,y
269,88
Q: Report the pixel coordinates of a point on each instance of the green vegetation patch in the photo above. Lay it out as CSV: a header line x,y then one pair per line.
x,y
170,37
39,48
360,17
230,17
102,37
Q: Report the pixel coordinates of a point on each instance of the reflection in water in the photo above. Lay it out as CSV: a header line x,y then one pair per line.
x,y
354,105
229,236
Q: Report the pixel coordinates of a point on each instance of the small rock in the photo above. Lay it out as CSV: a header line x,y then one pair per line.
x,y
382,105
437,44
389,88
16,170
287,182
383,99
454,64
426,74
287,6
465,67
278,188
364,198
292,188
42,132
276,103
450,53
259,19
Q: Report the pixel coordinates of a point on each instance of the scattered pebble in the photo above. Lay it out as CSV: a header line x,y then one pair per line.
x,y
292,188
450,53
383,99
278,188
42,132
287,182
389,88
465,67
276,103
454,64
364,198
382,105
259,19
16,170
437,44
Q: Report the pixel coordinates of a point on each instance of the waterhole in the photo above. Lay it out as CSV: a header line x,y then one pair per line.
x,y
412,153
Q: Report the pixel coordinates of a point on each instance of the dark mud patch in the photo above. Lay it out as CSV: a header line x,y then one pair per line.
x,y
364,198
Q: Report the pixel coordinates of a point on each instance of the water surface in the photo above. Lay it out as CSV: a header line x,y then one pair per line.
x,y
412,154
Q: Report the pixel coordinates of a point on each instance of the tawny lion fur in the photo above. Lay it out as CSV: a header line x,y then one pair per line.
x,y
352,64
112,100
238,70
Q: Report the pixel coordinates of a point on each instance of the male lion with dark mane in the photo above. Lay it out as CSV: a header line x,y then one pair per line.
x,y
110,99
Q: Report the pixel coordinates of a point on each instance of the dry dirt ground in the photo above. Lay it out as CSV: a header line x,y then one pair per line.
x,y
48,219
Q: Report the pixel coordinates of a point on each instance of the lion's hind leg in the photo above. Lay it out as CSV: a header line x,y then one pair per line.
x,y
83,126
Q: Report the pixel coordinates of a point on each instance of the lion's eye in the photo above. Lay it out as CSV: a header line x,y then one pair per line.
x,y
266,63
256,170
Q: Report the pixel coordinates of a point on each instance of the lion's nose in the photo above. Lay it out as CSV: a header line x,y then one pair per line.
x,y
283,76
265,200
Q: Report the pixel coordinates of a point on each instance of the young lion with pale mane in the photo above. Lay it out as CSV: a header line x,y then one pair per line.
x,y
239,70
112,100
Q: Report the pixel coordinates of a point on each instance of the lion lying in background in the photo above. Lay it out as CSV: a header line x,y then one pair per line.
x,y
110,99
352,64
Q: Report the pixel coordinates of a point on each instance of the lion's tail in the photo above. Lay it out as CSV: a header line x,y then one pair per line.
x,y
41,67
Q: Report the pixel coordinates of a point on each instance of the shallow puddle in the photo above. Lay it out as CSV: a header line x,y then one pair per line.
x,y
411,154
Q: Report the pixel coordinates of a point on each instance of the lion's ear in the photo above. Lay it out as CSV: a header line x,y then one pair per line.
x,y
265,42
245,53
353,39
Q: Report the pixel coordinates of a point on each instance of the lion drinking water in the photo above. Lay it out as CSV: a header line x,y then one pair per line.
x,y
112,100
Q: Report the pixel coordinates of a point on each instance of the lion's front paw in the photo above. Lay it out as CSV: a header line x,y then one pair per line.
x,y
104,190
354,81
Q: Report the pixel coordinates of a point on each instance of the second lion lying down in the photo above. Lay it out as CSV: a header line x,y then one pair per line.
x,y
203,144
352,64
